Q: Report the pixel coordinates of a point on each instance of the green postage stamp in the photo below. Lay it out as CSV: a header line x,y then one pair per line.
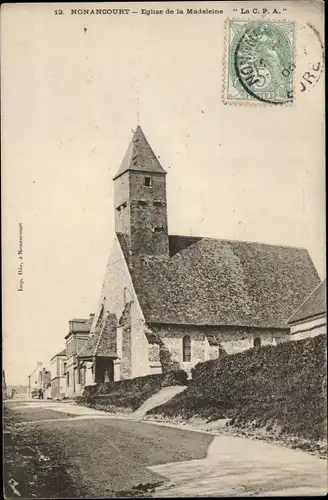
x,y
259,62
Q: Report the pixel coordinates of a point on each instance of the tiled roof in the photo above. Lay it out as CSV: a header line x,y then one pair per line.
x,y
103,341
314,305
61,353
222,282
140,156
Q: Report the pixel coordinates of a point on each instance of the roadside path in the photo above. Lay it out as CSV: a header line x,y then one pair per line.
x,y
106,456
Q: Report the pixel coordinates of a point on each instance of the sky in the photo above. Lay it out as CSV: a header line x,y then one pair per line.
x,y
72,90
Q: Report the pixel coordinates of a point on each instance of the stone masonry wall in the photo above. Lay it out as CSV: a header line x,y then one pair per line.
x,y
231,340
118,297
148,212
125,322
122,213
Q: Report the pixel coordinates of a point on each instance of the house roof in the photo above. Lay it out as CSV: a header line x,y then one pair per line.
x,y
102,342
80,325
314,305
61,353
221,282
140,156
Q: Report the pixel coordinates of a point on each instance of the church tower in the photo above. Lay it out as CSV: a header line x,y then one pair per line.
x,y
140,200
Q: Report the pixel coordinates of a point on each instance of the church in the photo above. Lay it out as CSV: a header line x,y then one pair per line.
x,y
169,302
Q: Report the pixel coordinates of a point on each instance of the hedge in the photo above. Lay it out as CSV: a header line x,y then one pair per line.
x,y
129,394
282,385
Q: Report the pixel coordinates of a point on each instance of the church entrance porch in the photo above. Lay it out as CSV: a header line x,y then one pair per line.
x,y
104,370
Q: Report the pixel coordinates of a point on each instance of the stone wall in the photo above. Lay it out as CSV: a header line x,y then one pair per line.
x,y
139,347
118,297
121,196
141,212
229,340
149,230
125,323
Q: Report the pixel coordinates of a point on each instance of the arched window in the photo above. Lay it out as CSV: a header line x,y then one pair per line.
x,y
186,348
257,342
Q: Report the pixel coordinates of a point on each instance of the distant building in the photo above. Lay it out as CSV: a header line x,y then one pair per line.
x,y
34,380
45,383
310,319
169,302
58,364
79,330
17,391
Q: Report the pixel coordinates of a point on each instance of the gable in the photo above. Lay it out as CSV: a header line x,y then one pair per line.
x,y
117,288
103,341
222,282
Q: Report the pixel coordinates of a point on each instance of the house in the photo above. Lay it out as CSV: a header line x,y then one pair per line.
x,y
170,301
310,319
58,374
45,383
34,380
79,330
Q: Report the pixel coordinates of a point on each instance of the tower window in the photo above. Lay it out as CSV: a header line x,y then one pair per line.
x,y
257,342
186,348
148,181
120,207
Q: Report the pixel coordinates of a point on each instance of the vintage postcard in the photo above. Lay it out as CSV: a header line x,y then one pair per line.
x,y
164,281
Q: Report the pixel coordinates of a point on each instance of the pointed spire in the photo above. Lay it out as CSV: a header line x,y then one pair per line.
x,y
139,156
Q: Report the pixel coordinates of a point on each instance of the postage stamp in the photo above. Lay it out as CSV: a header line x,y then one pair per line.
x,y
259,62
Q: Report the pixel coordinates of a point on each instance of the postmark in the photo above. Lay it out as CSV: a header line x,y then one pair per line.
x,y
310,59
260,62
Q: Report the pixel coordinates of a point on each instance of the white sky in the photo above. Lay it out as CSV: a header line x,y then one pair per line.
x,y
69,102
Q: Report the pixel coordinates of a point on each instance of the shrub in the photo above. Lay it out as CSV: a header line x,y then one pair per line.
x,y
129,394
276,385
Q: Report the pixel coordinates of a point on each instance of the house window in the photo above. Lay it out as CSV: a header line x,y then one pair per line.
x,y
142,203
257,342
148,181
158,203
67,379
64,368
186,348
158,229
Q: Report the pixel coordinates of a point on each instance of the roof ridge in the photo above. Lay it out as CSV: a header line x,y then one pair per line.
x,y
304,301
240,241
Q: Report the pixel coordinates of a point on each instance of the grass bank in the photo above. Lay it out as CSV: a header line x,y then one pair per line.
x,y
273,392
126,396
